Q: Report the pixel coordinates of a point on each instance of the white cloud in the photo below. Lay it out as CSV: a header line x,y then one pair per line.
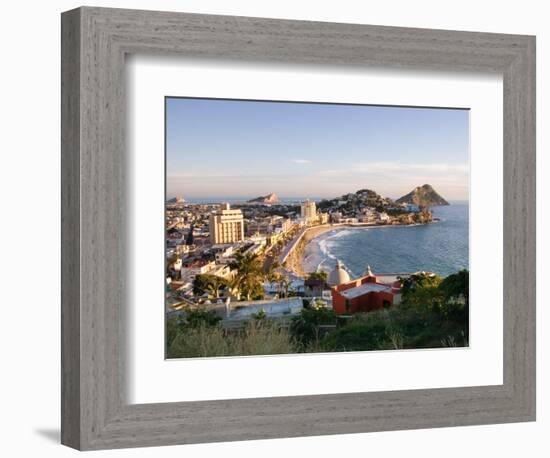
x,y
389,178
300,161
399,168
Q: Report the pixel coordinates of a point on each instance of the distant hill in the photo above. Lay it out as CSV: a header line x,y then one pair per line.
x,y
176,200
371,198
352,201
423,196
269,199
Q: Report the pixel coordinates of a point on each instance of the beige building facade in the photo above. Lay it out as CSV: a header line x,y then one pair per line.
x,y
226,226
308,211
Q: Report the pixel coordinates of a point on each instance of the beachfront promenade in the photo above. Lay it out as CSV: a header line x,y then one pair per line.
x,y
314,230
289,248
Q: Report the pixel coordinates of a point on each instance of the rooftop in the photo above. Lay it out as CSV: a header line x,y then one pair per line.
x,y
363,289
314,282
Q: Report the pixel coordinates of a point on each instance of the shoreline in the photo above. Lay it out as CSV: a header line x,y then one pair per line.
x,y
295,260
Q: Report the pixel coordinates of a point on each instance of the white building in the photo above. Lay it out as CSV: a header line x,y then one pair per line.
x,y
226,226
197,268
224,253
383,217
308,211
222,271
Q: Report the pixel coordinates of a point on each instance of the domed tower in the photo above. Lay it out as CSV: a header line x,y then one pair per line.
x,y
338,275
368,272
368,276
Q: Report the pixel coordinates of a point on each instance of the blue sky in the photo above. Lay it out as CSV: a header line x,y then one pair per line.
x,y
219,148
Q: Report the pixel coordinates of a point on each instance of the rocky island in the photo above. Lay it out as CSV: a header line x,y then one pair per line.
x,y
178,200
268,199
423,196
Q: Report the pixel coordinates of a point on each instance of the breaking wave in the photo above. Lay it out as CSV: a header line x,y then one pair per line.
x,y
440,248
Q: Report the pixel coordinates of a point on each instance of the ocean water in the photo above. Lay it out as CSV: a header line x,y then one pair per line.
x,y
440,247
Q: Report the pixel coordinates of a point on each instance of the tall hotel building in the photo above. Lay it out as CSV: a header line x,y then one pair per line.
x,y
308,211
226,226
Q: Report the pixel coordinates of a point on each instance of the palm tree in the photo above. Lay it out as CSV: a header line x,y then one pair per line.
x,y
214,286
275,276
271,271
249,277
284,285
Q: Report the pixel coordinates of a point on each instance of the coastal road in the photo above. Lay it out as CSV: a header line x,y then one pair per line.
x,y
290,246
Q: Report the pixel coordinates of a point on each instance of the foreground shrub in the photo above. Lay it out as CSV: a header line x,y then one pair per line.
x,y
199,317
398,328
257,338
433,313
305,327
201,341
370,333
261,338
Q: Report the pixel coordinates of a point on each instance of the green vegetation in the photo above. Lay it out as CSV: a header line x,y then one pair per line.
x,y
319,275
365,333
447,297
397,328
248,281
455,287
209,284
396,211
324,204
259,337
200,318
192,319
281,281
433,313
306,328
350,203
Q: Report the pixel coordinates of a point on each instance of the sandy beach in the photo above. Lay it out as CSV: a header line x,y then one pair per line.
x,y
294,261
300,259
313,254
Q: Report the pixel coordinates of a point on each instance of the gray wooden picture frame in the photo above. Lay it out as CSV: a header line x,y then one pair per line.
x,y
95,412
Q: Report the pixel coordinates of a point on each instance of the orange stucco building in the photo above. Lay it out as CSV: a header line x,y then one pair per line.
x,y
363,294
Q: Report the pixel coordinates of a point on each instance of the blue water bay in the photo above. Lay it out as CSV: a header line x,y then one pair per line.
x,y
440,247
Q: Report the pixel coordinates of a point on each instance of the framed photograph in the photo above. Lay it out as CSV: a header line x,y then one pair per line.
x,y
291,269
279,228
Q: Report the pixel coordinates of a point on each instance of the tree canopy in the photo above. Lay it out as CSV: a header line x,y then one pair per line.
x,y
319,275
249,277
209,284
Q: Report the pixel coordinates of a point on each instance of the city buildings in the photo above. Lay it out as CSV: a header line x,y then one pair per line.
x,y
205,238
226,226
194,268
268,225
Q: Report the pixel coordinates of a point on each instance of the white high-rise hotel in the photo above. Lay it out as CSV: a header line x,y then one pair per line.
x,y
308,211
226,226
